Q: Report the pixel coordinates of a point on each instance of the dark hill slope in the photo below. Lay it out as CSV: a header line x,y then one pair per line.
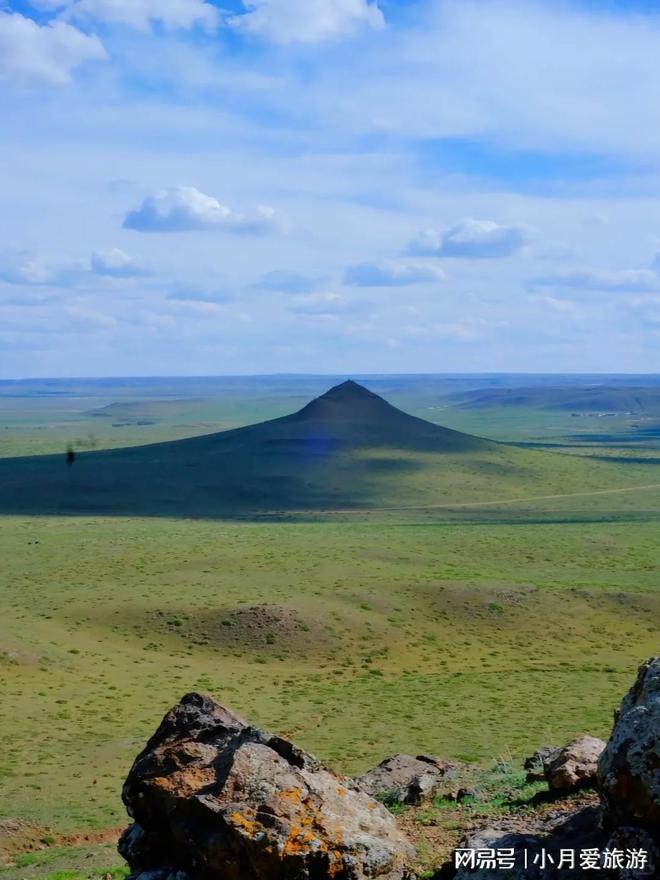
x,y
349,416
348,448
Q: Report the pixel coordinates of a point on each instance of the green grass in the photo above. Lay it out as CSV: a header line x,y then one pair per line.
x,y
579,611
465,632
293,466
85,862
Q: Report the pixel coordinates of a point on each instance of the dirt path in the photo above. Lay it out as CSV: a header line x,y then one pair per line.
x,y
498,503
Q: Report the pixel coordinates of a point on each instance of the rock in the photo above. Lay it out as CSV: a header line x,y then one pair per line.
x,y
216,799
629,768
403,779
626,839
537,844
575,766
626,824
535,764
567,769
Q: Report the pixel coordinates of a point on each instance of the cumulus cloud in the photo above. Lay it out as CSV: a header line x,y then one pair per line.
x,y
307,21
34,270
185,209
472,239
115,263
622,281
391,274
33,54
138,14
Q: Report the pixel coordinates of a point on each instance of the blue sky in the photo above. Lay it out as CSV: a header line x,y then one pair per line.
x,y
329,186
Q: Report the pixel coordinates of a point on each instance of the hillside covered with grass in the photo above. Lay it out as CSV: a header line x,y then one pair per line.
x,y
348,449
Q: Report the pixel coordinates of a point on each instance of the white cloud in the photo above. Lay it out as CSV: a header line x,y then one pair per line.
x,y
622,281
34,270
184,209
323,303
115,263
138,14
83,318
307,21
32,54
554,304
288,282
391,274
556,253
473,239
466,330
425,83
192,294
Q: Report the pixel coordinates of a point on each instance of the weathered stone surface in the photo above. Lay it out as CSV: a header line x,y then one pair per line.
x,y
535,764
213,797
542,840
403,779
575,766
626,839
629,768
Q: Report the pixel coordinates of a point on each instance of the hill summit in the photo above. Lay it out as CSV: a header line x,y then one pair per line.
x,y
349,415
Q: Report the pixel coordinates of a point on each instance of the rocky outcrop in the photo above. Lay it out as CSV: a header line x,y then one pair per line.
x,y
403,779
575,766
214,798
629,768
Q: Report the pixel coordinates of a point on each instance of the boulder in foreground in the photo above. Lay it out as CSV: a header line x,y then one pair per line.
x,y
214,798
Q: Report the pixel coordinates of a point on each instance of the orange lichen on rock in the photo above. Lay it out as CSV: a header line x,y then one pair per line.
x,y
242,821
291,796
185,782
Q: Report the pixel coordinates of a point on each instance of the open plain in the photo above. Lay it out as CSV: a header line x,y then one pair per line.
x,y
471,603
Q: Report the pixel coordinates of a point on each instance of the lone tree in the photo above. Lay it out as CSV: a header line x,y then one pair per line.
x,y
70,455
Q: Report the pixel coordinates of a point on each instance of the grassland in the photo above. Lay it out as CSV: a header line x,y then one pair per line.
x,y
464,629
41,417
464,641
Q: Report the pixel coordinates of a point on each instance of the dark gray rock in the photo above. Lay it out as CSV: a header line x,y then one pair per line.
x,y
535,764
629,768
216,799
542,840
626,839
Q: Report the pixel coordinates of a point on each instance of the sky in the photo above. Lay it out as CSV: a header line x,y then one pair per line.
x,y
343,186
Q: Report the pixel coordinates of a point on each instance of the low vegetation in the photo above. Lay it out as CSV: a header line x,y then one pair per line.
x,y
464,632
